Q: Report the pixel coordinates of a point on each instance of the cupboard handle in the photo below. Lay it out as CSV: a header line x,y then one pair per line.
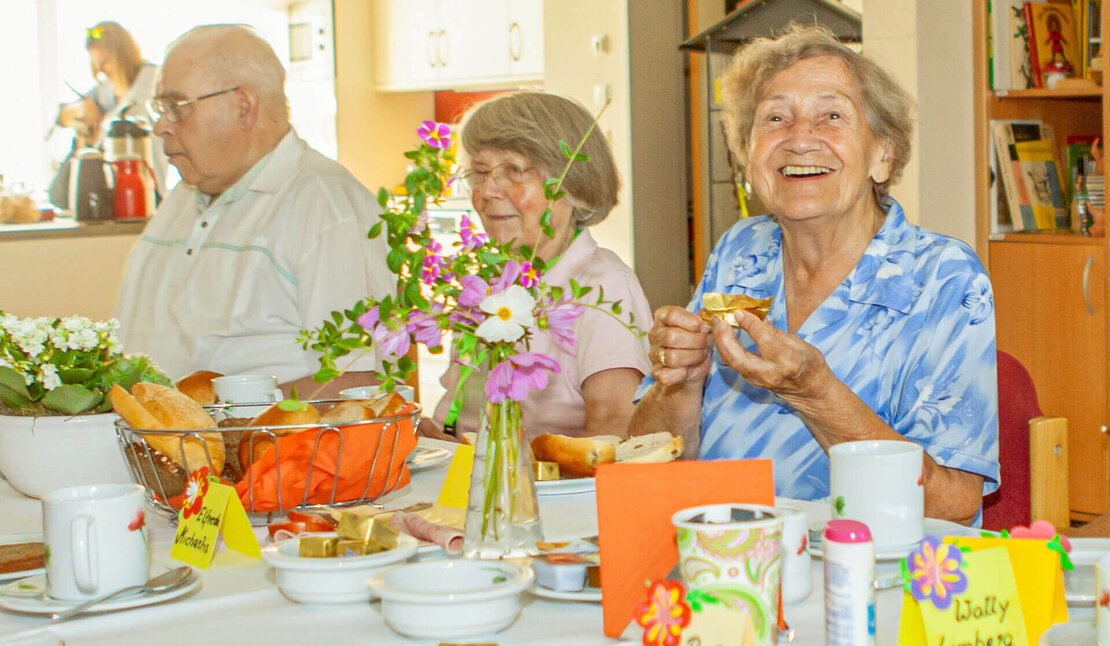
x,y
514,42
1104,430
1086,281
439,50
429,50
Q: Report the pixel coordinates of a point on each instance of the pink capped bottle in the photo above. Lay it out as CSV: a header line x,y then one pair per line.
x,y
849,555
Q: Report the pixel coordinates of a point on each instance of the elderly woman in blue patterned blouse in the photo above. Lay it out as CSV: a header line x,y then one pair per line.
x,y
878,329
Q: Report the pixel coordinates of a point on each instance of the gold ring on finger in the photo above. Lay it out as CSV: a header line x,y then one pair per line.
x,y
663,357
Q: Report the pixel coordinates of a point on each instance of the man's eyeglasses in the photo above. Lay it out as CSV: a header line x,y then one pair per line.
x,y
177,110
504,175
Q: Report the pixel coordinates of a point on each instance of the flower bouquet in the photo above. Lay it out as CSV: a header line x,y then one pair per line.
x,y
51,366
491,298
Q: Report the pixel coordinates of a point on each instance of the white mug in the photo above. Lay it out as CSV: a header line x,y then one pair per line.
x,y
95,540
370,392
797,577
233,389
1102,599
881,484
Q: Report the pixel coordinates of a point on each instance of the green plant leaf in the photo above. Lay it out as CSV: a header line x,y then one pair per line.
x,y
383,197
13,381
71,399
13,399
292,405
375,230
564,148
75,375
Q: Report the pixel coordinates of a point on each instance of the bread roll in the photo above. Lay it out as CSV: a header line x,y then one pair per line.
x,y
255,444
175,411
654,447
275,415
346,412
576,456
198,386
387,405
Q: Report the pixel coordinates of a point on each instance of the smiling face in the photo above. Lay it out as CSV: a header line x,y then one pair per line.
x,y
202,146
812,153
513,211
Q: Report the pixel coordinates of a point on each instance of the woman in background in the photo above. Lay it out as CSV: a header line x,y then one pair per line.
x,y
125,82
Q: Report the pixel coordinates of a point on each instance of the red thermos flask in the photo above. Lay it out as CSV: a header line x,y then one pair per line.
x,y
129,201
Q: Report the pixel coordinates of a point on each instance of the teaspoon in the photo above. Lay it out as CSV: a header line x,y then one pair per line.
x,y
167,580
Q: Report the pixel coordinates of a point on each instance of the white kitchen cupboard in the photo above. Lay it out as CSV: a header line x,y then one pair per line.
x,y
440,44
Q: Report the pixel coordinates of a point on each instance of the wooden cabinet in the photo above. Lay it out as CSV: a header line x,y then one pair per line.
x,y
439,44
1050,289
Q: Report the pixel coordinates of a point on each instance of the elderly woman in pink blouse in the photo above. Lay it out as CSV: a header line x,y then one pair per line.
x,y
512,145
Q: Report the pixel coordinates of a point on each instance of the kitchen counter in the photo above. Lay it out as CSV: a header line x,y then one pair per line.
x,y
67,227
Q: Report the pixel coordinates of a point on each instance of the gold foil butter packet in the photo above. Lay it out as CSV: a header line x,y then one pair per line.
x,y
318,547
373,532
717,305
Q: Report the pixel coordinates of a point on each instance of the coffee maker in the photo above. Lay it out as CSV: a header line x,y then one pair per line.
x,y
128,139
90,197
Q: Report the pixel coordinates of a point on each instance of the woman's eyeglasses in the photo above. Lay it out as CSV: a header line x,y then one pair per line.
x,y
177,110
504,175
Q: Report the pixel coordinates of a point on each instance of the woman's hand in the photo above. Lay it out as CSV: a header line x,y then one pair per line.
x,y
785,365
428,428
680,346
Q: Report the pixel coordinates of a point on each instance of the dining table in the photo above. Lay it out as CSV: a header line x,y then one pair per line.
x,y
238,601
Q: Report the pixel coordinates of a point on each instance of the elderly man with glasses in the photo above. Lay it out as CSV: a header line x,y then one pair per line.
x,y
263,238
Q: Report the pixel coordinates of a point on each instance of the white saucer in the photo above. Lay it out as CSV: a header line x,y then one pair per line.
x,y
1079,584
562,487
585,594
427,457
1073,633
932,526
9,539
29,595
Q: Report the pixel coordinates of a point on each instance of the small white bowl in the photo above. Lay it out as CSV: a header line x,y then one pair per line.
x,y
330,580
451,599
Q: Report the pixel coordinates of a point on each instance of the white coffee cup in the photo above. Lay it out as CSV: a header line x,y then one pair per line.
x,y
1102,591
95,538
370,392
797,576
234,389
881,484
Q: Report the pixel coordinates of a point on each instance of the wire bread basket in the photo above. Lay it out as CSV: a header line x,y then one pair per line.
x,y
275,468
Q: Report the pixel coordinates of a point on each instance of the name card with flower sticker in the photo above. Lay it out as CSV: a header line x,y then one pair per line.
x,y
990,591
211,508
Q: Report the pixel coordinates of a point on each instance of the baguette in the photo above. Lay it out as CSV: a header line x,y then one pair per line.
x,y
576,456
654,447
155,407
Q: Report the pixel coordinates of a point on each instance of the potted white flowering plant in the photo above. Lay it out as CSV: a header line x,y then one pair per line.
x,y
55,430
51,366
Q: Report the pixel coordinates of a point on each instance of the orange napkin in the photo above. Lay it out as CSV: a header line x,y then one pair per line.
x,y
372,463
635,503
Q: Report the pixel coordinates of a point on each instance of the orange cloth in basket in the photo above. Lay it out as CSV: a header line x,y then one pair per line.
x,y
379,448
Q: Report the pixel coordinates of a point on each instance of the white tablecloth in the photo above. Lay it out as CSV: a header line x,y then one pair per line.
x,y
240,604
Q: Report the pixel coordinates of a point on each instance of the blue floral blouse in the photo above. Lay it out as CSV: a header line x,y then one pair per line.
x,y
910,331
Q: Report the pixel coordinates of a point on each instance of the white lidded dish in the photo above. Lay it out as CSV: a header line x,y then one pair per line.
x,y
333,579
451,599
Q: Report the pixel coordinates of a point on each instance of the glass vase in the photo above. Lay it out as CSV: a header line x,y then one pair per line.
x,y
502,515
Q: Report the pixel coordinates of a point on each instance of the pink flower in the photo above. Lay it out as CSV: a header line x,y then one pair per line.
x,y
559,319
424,328
517,375
529,275
508,276
433,262
1041,529
475,290
369,319
392,342
436,135
419,224
470,239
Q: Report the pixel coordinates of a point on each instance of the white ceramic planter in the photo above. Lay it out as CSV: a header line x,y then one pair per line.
x,y
40,454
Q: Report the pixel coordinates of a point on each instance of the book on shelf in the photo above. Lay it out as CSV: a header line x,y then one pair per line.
x,y
1052,42
1039,188
1025,175
1091,37
1021,66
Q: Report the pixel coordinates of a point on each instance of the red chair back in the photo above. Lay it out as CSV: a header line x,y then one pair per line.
x,y
1017,404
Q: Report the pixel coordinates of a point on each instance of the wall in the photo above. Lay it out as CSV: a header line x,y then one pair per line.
x,y
927,45
62,276
373,127
641,70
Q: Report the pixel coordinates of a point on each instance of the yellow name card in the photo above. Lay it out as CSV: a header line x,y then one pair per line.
x,y
211,509
456,487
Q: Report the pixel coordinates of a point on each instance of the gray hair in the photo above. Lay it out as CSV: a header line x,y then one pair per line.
x,y
237,55
532,124
887,107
